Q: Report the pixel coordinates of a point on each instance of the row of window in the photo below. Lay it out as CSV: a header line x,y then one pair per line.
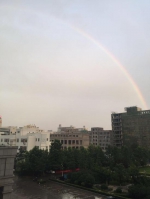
x,y
22,140
101,133
70,142
73,147
101,137
60,135
101,140
7,140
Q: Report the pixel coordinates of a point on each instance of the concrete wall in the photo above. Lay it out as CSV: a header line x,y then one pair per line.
x,y
7,156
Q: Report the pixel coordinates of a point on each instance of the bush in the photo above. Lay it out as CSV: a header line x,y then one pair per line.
x,y
104,187
41,181
76,182
82,177
118,190
139,191
82,184
68,181
89,181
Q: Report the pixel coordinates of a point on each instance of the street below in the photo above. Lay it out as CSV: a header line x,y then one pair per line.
x,y
25,188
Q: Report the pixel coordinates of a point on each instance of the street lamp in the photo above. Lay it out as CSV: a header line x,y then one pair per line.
x,y
62,169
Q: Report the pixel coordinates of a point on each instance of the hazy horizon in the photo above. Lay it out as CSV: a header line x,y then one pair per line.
x,y
54,69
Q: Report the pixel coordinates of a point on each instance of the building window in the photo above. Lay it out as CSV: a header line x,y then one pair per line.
x,y
23,140
65,141
80,142
73,141
38,139
47,139
69,141
77,141
61,141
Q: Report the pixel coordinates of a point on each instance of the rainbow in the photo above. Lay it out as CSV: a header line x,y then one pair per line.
x,y
115,60
97,43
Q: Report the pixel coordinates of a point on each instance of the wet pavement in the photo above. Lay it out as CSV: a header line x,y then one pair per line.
x,y
25,188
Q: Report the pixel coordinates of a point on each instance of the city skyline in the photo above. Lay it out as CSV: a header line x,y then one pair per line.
x,y
74,62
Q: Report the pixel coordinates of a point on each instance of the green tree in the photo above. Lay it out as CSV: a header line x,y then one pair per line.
x,y
120,173
55,156
134,173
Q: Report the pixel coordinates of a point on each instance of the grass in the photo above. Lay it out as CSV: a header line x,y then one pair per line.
x,y
145,170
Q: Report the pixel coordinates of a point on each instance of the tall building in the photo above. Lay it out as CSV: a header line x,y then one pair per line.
x,y
132,126
71,137
101,137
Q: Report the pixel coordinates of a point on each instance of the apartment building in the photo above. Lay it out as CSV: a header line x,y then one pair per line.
x,y
132,126
26,137
100,137
71,137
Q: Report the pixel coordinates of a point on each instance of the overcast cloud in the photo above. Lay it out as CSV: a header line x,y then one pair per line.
x,y
51,73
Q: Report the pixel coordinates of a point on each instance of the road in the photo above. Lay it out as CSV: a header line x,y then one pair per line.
x,y
25,188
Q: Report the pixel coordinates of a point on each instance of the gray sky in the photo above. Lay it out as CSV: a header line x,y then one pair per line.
x,y
53,69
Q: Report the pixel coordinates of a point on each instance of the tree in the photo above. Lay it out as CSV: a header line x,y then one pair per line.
x,y
56,156
141,156
139,191
134,173
33,163
120,173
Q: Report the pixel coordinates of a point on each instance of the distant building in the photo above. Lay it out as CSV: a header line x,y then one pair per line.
x,y
7,155
71,137
132,126
100,137
25,137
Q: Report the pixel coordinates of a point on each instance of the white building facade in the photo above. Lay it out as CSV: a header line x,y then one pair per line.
x,y
26,137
